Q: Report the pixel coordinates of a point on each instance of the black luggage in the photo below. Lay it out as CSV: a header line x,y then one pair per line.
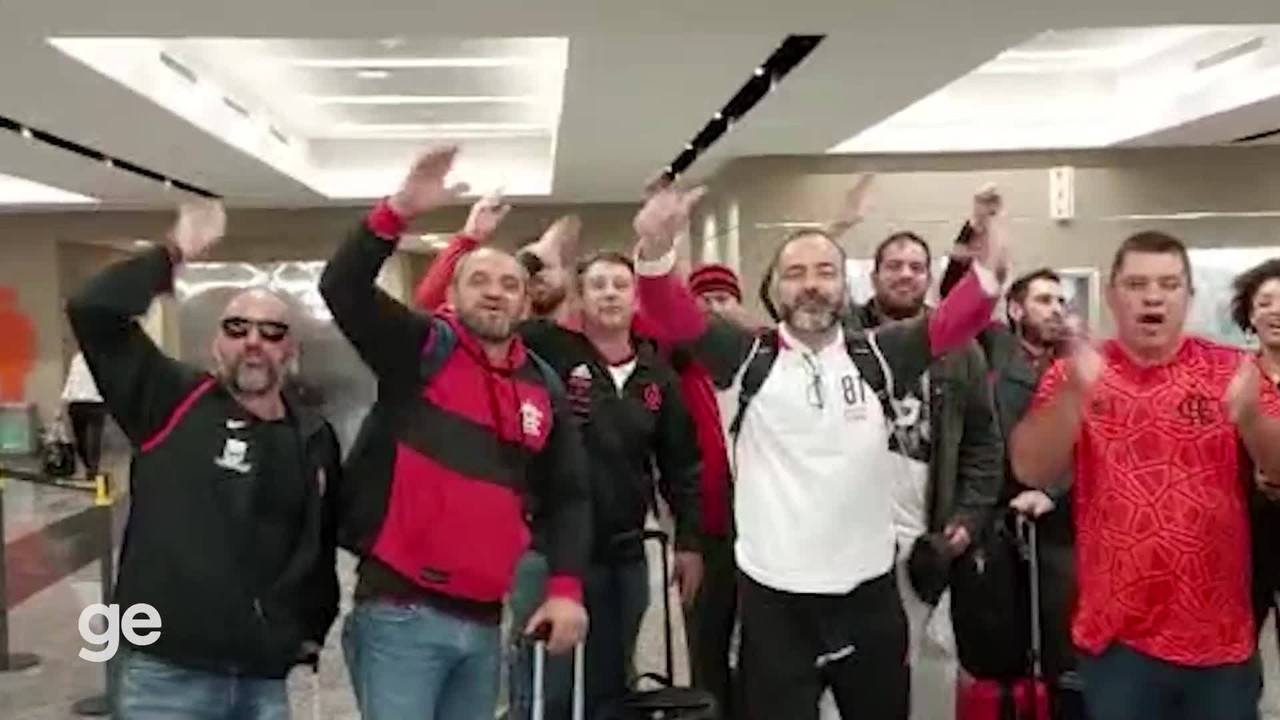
x,y
666,701
994,589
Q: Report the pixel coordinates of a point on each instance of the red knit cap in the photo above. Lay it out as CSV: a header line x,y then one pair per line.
x,y
714,277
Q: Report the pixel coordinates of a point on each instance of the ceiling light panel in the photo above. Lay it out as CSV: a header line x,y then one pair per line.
x,y
20,191
271,98
1087,88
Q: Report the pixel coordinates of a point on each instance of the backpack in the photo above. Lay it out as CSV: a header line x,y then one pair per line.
x,y
862,349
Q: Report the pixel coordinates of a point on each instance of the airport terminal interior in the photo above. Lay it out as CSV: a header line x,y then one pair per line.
x,y
1095,120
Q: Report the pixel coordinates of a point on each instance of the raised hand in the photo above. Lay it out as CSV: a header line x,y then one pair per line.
x,y
987,204
991,247
485,216
424,187
1242,396
664,216
854,208
200,225
561,239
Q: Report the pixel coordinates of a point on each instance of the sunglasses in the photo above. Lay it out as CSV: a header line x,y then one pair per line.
x,y
532,263
237,328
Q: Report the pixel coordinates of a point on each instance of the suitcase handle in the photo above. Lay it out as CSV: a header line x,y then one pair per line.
x,y
663,542
539,679
1026,532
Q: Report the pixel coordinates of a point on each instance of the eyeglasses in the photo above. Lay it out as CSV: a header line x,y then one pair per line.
x,y
814,391
237,328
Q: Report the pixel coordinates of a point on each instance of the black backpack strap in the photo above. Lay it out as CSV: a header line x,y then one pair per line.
x,y
871,365
436,349
759,363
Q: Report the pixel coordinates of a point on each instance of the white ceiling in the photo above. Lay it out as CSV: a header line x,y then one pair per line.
x,y
641,79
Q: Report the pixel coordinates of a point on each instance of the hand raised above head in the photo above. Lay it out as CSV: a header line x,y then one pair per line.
x,y
424,188
663,217
201,224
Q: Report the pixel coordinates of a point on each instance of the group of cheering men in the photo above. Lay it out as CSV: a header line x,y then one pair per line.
x,y
824,473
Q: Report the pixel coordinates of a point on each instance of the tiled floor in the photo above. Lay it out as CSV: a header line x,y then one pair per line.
x,y
46,622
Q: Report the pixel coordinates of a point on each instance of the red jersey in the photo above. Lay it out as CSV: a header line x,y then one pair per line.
x,y
1160,509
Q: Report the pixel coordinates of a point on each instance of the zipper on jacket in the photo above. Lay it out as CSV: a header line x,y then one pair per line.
x,y
257,610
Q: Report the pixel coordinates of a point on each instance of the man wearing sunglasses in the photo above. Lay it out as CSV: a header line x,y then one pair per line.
x,y
232,524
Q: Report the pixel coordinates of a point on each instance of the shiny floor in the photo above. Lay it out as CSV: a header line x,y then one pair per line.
x,y
53,537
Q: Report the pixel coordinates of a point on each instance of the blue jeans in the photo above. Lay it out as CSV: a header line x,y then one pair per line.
x,y
616,597
1124,684
414,662
149,688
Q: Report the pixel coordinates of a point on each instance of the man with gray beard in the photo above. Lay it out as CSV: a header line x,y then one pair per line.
x,y
232,523
814,515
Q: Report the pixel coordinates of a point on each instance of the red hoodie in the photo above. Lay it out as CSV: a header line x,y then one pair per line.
x,y
695,387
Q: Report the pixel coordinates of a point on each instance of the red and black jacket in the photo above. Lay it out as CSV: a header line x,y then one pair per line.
x,y
448,464
179,554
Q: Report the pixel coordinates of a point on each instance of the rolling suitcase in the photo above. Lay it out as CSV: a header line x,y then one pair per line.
x,y
666,701
1022,698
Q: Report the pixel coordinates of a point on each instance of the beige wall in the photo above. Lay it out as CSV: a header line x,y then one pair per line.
x,y
48,256
931,195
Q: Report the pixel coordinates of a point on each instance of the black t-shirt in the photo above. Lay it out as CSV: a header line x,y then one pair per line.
x,y
266,507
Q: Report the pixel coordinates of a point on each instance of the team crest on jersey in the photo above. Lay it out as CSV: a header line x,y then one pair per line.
x,y
652,397
234,456
530,419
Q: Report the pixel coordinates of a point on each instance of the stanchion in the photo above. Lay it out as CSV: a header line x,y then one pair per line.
x,y
9,661
100,705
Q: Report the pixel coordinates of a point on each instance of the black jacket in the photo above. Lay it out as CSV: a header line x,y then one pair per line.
x,y
966,460
630,436
178,554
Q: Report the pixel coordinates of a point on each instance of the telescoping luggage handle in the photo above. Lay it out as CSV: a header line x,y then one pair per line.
x,y
539,679
1026,529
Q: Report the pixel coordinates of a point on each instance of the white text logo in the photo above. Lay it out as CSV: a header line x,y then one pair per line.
x,y
138,617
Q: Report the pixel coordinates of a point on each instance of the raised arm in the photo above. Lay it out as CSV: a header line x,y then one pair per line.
x,y
667,302
485,216
911,345
140,385
387,335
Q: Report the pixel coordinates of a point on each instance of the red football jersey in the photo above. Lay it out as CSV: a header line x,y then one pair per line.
x,y
1162,527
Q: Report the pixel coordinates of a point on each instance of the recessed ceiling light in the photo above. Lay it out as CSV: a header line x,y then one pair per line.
x,y
373,74
142,243
419,99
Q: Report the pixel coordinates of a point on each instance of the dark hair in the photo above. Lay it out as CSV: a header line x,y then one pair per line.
x,y
1018,290
902,236
1151,242
609,257
1246,286
766,280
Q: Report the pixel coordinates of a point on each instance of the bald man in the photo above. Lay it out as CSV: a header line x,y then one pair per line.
x,y
471,435
232,527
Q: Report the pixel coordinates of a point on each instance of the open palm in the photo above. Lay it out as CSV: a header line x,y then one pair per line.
x,y
424,188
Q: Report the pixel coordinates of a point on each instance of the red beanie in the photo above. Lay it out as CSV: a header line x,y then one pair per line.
x,y
715,277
